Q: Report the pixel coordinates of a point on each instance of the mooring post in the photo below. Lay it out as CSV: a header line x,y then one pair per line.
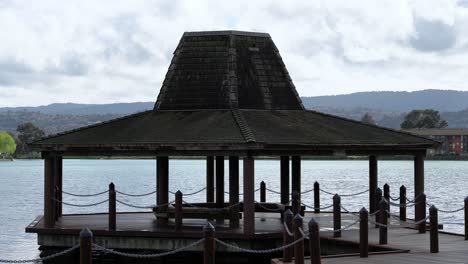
x,y
262,192
209,250
296,203
86,246
336,216
316,197
287,239
178,210
363,233
421,209
383,230
298,247
314,242
378,198
434,229
386,190
112,208
403,203
466,218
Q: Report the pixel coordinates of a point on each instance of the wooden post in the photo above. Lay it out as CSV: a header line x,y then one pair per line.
x,y
178,210
373,180
383,230
58,173
418,184
210,179
386,191
209,250
49,203
314,242
378,197
298,247
403,203
466,218
219,181
287,239
434,231
295,203
163,185
57,202
234,190
421,210
262,192
249,195
296,174
316,197
86,246
336,216
112,208
363,233
284,179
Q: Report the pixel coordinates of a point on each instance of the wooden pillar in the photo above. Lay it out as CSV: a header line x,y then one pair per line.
x,y
58,175
234,190
284,179
86,246
220,181
210,179
373,181
249,192
49,186
418,185
163,184
296,174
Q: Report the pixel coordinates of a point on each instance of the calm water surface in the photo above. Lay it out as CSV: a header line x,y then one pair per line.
x,y
21,189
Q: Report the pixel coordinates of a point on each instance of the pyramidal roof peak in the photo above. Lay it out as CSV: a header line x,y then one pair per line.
x,y
227,70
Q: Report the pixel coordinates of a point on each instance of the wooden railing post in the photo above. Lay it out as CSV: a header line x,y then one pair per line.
x,y
363,233
178,210
403,203
316,197
378,198
57,202
112,208
466,218
314,242
296,203
434,229
386,191
336,215
287,239
262,192
421,209
86,246
298,247
209,247
383,235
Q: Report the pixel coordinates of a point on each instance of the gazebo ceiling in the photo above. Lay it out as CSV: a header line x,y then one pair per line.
x,y
230,90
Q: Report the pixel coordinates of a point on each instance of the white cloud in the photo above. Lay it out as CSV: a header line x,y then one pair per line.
x,y
115,51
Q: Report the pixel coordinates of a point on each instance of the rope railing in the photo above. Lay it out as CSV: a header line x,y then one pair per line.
x,y
135,195
85,195
260,251
81,205
278,209
344,195
40,260
447,211
320,208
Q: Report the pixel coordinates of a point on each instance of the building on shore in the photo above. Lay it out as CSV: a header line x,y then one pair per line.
x,y
453,140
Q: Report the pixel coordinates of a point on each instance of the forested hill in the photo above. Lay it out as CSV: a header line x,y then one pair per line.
x,y
85,109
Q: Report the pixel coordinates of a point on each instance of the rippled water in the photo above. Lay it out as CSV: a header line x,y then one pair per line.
x,y
21,189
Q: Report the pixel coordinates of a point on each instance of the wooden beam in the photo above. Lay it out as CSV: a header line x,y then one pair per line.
x,y
284,179
296,174
219,181
249,193
234,190
373,183
210,180
49,203
419,185
163,184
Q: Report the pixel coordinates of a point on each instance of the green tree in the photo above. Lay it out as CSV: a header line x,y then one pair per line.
x,y
427,118
27,133
368,119
7,144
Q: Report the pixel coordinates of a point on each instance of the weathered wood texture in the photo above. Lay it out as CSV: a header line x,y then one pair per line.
x,y
373,181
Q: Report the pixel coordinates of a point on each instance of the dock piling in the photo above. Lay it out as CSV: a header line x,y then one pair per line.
x,y
386,191
336,215
209,247
421,210
434,229
262,192
317,197
403,203
287,239
86,246
112,208
363,233
378,198
178,210
383,230
314,242
298,247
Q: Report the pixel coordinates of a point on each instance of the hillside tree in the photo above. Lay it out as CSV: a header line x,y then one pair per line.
x,y
7,144
426,118
368,119
27,133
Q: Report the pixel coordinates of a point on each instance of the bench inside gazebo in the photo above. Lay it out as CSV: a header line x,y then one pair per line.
x,y
226,95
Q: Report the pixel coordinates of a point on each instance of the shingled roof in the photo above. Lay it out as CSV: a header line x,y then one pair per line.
x,y
230,91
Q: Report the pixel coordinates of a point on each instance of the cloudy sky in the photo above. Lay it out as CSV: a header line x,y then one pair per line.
x,y
118,51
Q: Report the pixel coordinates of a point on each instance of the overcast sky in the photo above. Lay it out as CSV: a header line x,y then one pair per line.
x,y
118,51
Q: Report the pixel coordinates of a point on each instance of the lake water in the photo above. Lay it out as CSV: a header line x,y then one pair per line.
x,y
21,189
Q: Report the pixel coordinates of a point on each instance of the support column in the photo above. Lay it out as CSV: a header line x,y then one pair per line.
x,y
296,174
163,184
284,179
234,190
249,192
419,185
219,181
49,203
373,183
58,175
210,179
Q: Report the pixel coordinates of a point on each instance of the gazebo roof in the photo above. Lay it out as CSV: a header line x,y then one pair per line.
x,y
230,91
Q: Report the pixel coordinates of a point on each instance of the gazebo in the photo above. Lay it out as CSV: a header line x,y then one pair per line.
x,y
228,94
